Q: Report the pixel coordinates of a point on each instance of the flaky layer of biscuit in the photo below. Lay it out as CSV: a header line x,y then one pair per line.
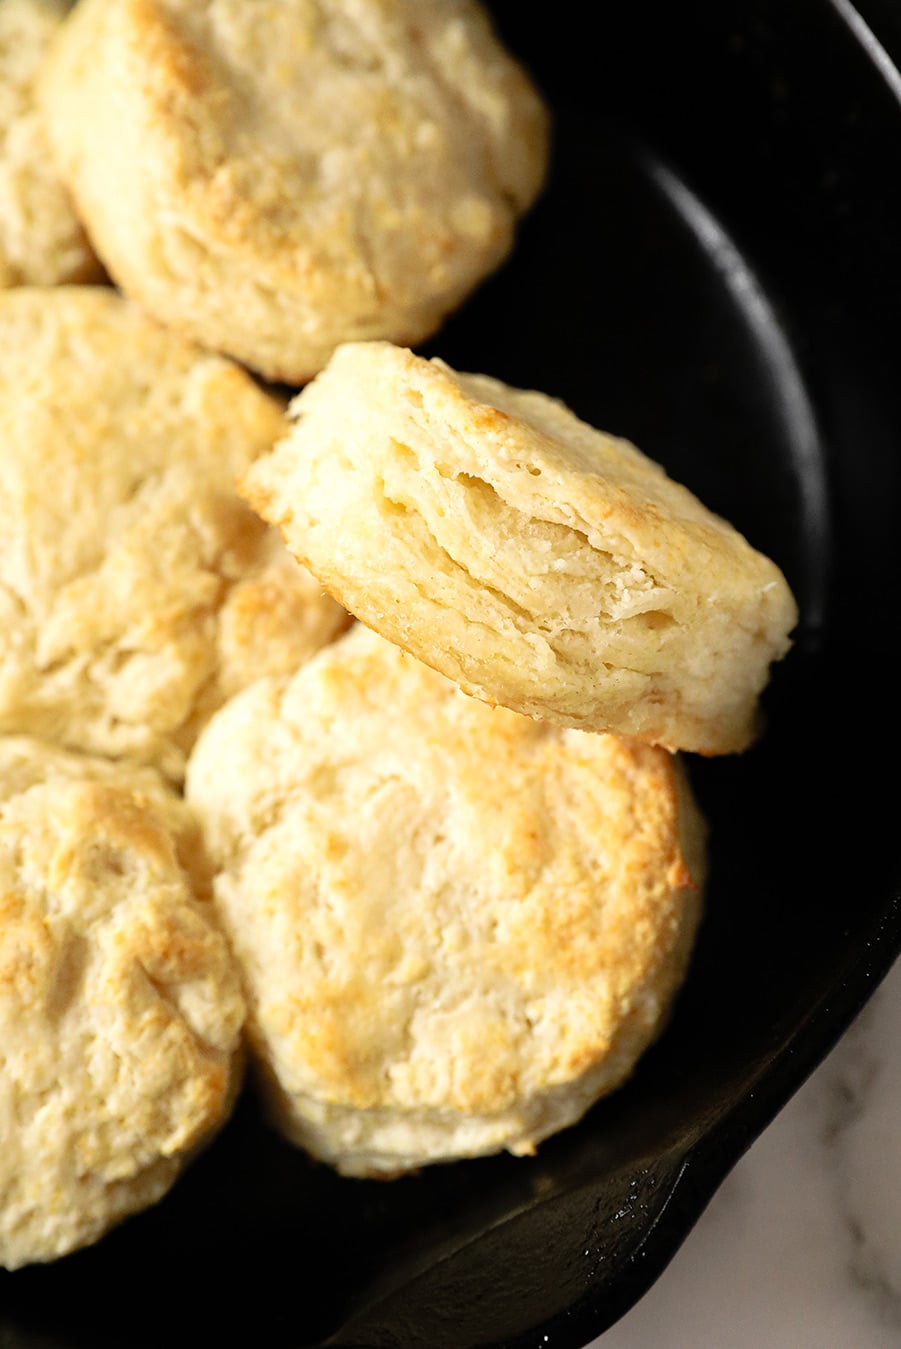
x,y
120,1009
277,178
41,241
457,927
137,591
540,563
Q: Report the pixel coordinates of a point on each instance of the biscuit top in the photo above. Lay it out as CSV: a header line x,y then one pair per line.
x,y
120,1010
349,168
41,242
136,589
349,90
541,563
438,906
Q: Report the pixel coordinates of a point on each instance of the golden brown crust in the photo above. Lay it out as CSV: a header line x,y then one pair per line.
x,y
120,1011
137,591
540,563
41,241
278,178
457,927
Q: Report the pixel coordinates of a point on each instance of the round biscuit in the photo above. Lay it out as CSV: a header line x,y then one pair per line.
x,y
137,591
280,177
540,563
41,240
457,927
120,1007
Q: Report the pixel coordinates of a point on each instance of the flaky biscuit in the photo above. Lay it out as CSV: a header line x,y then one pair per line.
x,y
540,563
457,927
137,591
120,1007
279,177
41,241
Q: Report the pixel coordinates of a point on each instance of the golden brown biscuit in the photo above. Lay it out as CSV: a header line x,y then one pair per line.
x,y
541,564
41,241
120,1008
279,177
137,591
457,927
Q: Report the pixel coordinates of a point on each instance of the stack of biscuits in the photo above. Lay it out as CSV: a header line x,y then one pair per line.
x,y
343,695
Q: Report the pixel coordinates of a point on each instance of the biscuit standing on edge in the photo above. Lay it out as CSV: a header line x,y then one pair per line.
x,y
120,1008
457,927
41,241
540,563
276,178
137,591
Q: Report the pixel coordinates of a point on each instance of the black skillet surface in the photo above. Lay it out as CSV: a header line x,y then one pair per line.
x,y
714,272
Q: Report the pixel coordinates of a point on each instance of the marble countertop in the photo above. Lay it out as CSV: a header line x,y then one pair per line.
x,y
800,1248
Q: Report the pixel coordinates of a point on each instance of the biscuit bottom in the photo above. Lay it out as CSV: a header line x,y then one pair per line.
x,y
457,927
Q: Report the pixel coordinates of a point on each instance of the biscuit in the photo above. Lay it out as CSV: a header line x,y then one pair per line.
x,y
277,178
120,1007
540,563
41,241
137,591
457,927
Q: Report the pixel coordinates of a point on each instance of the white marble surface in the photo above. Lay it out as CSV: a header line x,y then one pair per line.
x,y
800,1248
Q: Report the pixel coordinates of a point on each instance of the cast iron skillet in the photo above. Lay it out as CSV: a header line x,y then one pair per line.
x,y
714,272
